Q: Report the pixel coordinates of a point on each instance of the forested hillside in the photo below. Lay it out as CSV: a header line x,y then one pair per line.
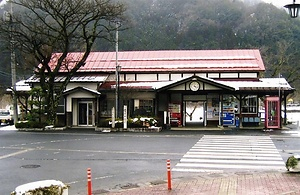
x,y
213,24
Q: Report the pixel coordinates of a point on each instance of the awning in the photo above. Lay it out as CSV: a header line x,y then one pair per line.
x,y
21,86
261,84
78,78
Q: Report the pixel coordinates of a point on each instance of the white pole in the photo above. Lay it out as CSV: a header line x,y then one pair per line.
x,y
279,120
113,121
125,117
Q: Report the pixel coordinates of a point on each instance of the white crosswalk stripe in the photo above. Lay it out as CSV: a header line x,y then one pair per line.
x,y
218,153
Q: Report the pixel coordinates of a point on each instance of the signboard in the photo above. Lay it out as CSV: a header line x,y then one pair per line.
x,y
125,117
113,117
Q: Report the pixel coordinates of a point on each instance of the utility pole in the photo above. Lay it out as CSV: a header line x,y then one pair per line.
x,y
117,71
13,66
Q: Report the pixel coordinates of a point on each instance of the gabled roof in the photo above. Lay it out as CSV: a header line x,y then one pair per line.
x,y
246,60
202,79
72,90
164,85
265,84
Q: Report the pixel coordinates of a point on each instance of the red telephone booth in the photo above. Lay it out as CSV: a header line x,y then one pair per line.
x,y
272,113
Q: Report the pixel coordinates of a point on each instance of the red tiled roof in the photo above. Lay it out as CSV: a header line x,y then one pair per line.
x,y
173,61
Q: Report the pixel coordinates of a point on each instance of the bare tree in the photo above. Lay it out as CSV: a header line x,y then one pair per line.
x,y
283,61
41,28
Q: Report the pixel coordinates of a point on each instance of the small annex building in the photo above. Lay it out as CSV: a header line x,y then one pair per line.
x,y
182,88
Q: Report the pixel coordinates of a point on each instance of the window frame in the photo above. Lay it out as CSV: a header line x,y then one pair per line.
x,y
249,104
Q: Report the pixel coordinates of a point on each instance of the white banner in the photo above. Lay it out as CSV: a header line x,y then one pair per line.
x,y
125,117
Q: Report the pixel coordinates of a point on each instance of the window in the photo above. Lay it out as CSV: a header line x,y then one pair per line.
x,y
144,108
105,107
249,104
61,106
147,105
230,104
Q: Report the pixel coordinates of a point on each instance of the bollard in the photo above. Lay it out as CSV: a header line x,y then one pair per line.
x,y
89,181
169,174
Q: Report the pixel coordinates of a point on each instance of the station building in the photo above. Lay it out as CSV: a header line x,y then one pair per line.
x,y
182,88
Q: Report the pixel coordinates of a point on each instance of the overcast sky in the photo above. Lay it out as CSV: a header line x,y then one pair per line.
x,y
278,3
281,3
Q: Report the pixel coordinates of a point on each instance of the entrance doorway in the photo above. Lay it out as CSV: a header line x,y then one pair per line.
x,y
85,113
194,113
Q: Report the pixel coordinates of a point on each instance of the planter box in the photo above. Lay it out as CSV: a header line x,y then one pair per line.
x,y
39,187
47,128
144,129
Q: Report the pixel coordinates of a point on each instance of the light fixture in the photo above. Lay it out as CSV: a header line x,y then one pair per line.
x,y
293,9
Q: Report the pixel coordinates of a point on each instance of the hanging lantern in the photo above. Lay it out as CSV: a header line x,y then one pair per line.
x,y
293,9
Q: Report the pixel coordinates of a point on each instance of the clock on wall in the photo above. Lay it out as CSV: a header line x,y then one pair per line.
x,y
194,86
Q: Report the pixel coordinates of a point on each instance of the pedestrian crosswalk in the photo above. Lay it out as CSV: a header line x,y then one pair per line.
x,y
218,153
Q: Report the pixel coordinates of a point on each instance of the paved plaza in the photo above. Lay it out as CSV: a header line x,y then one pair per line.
x,y
245,184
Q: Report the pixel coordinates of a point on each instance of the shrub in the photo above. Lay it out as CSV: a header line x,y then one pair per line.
x,y
30,124
137,122
291,163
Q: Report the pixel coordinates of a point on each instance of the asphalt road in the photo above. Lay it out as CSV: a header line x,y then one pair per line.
x,y
117,160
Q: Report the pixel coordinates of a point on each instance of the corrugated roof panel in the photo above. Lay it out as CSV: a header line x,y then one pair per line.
x,y
198,60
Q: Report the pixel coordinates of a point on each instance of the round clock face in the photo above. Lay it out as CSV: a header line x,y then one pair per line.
x,y
194,86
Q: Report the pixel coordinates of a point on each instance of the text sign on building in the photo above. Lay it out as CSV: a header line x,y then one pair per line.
x,y
125,117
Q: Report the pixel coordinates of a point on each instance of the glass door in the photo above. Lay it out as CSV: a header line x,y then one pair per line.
x,y
272,113
194,113
85,113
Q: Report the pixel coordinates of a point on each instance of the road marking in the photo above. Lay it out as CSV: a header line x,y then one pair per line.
x,y
219,153
113,152
59,150
222,156
229,166
15,153
291,151
230,161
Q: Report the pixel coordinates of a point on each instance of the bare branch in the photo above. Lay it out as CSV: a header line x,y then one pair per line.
x,y
43,27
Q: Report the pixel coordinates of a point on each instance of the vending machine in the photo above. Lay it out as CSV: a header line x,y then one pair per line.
x,y
175,115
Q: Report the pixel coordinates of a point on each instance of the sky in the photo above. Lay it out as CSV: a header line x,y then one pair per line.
x,y
281,3
278,3
2,2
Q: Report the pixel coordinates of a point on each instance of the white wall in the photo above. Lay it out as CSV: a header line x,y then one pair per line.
x,y
229,75
166,76
78,94
248,75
